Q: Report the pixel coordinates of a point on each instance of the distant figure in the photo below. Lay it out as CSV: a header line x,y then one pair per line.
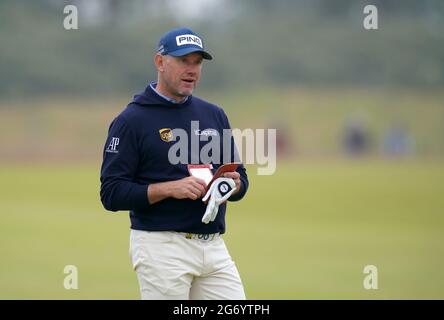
x,y
356,139
284,143
397,141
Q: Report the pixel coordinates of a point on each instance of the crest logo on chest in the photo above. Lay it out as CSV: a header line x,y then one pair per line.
x,y
166,134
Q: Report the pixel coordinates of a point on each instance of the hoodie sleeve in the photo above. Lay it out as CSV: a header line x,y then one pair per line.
x,y
118,190
234,155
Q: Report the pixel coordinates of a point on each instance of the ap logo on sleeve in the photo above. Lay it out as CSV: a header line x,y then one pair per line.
x,y
112,147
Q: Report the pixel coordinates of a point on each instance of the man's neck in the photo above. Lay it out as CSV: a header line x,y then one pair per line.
x,y
160,89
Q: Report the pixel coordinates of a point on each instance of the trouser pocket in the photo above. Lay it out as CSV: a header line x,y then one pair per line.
x,y
156,258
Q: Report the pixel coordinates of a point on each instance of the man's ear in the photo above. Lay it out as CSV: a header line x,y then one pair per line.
x,y
159,62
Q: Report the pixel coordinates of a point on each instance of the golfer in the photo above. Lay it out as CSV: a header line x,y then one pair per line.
x,y
177,220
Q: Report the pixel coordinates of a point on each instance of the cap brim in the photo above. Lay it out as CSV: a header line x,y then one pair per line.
x,y
185,51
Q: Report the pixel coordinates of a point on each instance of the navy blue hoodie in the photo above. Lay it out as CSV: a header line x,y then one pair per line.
x,y
135,156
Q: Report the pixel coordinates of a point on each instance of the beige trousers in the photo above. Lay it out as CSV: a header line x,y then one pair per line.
x,y
171,266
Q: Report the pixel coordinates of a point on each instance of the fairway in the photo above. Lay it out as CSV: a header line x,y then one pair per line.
x,y
306,232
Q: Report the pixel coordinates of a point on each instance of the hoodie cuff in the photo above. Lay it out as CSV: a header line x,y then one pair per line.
x,y
140,194
240,194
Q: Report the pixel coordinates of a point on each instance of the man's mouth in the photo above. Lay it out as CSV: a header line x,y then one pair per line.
x,y
188,80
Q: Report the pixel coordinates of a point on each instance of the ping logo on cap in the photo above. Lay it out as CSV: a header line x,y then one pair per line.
x,y
188,39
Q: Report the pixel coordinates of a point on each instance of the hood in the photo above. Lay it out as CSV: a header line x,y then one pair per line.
x,y
150,97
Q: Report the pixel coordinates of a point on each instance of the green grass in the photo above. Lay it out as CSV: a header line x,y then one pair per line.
x,y
306,232
313,117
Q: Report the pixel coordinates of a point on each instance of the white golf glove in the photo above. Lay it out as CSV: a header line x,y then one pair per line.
x,y
220,190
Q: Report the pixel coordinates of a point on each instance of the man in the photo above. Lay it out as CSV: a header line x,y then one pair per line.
x,y
175,242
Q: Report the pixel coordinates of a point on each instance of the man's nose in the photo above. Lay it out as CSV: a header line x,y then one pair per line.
x,y
192,67
191,71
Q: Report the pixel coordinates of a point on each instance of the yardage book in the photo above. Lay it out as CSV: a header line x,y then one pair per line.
x,y
203,171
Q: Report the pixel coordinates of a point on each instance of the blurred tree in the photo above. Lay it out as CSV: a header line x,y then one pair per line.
x,y
260,42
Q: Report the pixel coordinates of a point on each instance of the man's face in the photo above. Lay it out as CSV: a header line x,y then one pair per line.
x,y
179,75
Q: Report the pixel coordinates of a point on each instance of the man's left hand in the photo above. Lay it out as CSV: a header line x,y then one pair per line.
x,y
236,177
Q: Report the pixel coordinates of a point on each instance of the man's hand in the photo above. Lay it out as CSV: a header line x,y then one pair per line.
x,y
187,188
236,177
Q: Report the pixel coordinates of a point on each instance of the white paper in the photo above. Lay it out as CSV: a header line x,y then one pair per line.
x,y
202,173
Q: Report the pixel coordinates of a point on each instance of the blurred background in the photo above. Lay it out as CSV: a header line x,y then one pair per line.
x,y
360,141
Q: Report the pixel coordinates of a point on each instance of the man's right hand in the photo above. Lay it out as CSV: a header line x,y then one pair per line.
x,y
187,188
